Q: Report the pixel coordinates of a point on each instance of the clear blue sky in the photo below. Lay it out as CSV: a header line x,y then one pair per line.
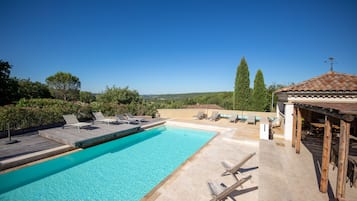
x,y
179,46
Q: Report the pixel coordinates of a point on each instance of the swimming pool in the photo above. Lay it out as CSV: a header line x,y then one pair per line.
x,y
123,169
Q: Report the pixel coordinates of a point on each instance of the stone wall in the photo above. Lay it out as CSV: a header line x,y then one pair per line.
x,y
189,113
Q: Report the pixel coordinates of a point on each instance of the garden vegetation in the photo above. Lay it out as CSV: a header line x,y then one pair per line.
x,y
26,104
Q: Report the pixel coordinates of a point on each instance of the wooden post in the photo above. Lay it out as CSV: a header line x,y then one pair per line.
x,y
293,140
325,155
298,136
342,159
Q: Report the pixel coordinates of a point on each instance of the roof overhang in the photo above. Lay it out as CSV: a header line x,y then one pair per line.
x,y
318,93
344,111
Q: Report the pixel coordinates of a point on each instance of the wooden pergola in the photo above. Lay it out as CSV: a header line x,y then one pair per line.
x,y
346,113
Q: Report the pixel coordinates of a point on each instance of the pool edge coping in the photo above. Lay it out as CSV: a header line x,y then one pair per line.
x,y
16,163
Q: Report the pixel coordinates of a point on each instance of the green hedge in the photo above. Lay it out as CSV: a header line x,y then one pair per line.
x,y
109,109
29,113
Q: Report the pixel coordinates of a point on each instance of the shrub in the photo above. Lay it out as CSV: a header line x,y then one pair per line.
x,y
109,109
29,113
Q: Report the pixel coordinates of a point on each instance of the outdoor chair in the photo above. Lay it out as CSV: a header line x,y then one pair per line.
x,y
214,116
251,119
122,119
276,123
233,118
200,115
72,121
220,192
130,117
99,117
234,169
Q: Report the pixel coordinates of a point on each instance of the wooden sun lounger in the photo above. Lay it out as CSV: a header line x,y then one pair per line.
x,y
234,169
220,192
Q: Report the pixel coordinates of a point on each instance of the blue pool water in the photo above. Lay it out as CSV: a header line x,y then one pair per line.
x,y
123,169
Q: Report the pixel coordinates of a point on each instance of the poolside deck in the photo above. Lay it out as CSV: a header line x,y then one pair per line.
x,y
92,135
30,147
95,134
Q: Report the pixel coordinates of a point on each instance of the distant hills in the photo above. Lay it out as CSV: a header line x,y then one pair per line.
x,y
180,96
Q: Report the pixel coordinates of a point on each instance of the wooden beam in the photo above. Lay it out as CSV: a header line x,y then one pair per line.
x,y
328,111
298,136
342,159
326,149
293,139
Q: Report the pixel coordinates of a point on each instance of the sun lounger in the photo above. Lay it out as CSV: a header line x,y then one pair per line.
x,y
220,192
234,169
99,117
251,120
214,116
276,123
233,118
72,121
130,117
200,115
122,119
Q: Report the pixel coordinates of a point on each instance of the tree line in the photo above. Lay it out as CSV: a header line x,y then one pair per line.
x,y
66,86
36,104
25,104
61,85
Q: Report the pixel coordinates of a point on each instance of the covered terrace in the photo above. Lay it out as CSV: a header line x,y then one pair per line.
x,y
338,125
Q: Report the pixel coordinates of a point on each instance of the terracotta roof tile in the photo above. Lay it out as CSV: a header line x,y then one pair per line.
x,y
330,81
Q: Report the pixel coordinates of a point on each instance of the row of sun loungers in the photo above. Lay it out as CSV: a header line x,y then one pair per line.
x,y
120,118
221,192
201,115
251,119
72,121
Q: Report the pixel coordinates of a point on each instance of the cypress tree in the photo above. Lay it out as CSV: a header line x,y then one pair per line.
x,y
259,96
241,87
